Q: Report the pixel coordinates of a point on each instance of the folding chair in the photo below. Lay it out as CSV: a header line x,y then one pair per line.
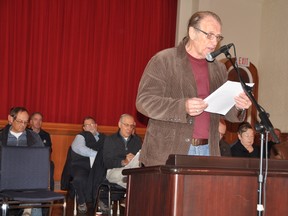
x,y
25,179
114,192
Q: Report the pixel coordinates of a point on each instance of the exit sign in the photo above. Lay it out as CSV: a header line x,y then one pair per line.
x,y
243,62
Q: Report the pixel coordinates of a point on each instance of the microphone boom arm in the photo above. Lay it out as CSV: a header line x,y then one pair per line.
x,y
248,90
265,122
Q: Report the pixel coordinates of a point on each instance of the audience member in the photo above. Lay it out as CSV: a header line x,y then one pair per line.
x,y
225,148
36,120
244,146
272,142
17,134
10,119
86,155
280,151
172,91
120,149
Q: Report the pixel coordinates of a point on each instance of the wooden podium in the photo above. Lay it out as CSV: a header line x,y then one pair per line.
x,y
200,186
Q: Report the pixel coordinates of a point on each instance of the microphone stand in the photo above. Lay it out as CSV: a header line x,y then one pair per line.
x,y
267,125
261,129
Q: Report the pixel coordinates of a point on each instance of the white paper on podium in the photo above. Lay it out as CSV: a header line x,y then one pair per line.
x,y
135,161
222,100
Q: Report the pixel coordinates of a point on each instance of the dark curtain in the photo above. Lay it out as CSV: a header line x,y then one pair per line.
x,y
73,58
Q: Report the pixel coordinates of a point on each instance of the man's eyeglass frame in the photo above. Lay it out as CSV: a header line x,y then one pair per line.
x,y
210,35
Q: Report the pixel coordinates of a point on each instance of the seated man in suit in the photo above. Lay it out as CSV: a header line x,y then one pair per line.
x,y
36,120
86,156
119,150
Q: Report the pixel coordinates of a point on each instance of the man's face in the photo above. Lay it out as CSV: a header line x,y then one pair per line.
x,y
201,45
127,126
222,129
90,125
36,121
20,123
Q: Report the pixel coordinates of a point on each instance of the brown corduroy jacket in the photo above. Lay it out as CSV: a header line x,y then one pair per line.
x,y
166,84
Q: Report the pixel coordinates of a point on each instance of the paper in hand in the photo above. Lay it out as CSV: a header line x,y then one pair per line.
x,y
222,100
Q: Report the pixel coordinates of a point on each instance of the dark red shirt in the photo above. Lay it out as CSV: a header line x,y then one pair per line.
x,y
201,75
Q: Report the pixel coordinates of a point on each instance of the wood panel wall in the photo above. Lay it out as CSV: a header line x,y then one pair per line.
x,y
62,136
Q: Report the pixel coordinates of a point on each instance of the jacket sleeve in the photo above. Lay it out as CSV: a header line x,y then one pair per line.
x,y
112,154
235,116
156,86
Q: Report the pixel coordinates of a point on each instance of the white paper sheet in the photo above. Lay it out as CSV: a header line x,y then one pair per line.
x,y
222,100
134,162
92,159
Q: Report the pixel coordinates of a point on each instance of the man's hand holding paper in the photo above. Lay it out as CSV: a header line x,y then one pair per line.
x,y
226,96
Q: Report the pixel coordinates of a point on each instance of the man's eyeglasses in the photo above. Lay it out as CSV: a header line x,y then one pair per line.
x,y
132,126
21,122
92,124
211,36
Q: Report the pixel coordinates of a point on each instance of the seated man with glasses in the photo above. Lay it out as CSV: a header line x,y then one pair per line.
x,y
87,163
16,133
120,149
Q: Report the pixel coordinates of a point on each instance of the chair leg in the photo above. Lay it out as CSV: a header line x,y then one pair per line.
x,y
50,209
75,205
110,203
111,208
97,200
64,207
118,207
4,208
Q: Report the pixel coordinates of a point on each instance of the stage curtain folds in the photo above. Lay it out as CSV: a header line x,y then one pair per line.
x,y
72,58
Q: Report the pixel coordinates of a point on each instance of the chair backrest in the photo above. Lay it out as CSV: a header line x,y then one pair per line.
x,y
24,168
279,151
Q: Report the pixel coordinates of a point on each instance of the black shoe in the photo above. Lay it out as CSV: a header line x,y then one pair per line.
x,y
82,208
103,207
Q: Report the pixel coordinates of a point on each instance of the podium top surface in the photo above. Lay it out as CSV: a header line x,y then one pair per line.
x,y
185,164
225,162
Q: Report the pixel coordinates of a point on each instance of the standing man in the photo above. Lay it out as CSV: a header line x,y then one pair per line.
x,y
171,93
36,120
119,150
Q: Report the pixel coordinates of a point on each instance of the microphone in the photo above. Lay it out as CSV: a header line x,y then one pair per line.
x,y
211,56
